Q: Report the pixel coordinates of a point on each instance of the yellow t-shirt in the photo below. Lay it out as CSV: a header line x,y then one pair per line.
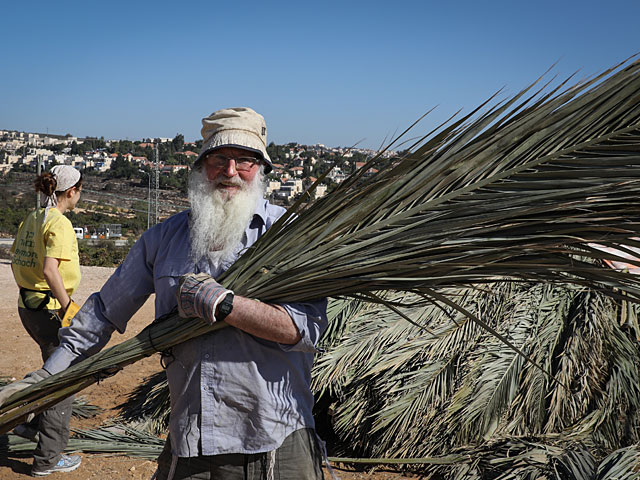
x,y
37,239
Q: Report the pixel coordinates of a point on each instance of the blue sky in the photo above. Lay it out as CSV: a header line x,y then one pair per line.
x,y
325,72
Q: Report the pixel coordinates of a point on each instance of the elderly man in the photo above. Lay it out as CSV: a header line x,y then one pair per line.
x,y
241,406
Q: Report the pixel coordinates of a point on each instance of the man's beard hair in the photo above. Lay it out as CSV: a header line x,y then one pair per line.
x,y
218,221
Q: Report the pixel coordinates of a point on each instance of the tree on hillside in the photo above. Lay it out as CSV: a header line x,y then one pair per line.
x,y
121,168
177,181
92,143
178,143
122,146
58,147
75,149
23,150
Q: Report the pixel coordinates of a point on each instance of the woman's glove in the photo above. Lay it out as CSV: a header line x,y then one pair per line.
x,y
68,313
199,295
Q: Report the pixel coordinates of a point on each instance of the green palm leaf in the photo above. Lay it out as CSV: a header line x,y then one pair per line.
x,y
515,190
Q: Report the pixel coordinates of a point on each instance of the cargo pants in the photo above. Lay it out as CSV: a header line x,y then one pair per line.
x,y
298,458
53,423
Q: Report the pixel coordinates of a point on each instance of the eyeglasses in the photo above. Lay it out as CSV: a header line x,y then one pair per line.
x,y
243,164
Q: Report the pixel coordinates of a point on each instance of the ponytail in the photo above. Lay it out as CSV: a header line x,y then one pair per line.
x,y
46,183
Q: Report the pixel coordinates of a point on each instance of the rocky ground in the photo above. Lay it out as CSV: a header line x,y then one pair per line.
x,y
19,355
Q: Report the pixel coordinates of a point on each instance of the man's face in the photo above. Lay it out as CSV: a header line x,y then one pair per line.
x,y
229,170
223,194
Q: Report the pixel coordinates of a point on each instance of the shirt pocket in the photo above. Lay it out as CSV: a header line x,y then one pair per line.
x,y
167,274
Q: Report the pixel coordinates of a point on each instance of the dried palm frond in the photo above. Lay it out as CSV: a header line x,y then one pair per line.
x,y
81,408
148,406
620,465
512,459
522,459
517,189
112,439
422,389
116,439
517,459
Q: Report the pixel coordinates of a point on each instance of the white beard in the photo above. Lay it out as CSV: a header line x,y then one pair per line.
x,y
218,221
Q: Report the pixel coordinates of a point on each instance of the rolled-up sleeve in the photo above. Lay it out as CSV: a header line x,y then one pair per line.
x,y
311,320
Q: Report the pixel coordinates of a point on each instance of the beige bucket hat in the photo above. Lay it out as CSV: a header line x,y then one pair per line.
x,y
240,127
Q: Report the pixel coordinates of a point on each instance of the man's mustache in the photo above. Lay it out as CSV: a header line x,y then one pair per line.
x,y
230,182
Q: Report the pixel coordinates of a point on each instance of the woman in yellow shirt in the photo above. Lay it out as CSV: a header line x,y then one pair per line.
x,y
46,267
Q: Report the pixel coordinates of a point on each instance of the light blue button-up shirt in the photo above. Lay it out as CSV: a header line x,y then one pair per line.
x,y
231,392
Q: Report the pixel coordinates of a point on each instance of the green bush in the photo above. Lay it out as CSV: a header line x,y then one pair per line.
x,y
10,219
104,254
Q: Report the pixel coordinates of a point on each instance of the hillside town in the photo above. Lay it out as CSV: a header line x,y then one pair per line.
x,y
296,166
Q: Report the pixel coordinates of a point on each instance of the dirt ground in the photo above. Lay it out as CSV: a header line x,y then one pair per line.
x,y
20,355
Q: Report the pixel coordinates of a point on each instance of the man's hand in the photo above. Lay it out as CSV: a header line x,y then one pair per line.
x,y
199,295
28,380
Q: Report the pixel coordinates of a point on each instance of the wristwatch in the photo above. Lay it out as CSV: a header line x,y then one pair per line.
x,y
225,307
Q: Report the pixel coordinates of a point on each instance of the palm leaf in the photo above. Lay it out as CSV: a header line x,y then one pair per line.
x,y
517,189
111,439
620,465
148,406
397,391
494,377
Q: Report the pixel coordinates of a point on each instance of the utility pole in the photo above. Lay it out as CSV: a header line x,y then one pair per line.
x,y
156,165
154,185
149,200
38,171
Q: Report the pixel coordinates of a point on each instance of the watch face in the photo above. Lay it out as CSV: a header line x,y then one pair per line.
x,y
226,306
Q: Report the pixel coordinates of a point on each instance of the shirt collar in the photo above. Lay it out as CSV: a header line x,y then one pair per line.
x,y
261,210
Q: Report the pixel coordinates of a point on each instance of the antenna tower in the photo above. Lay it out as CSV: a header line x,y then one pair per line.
x,y
154,188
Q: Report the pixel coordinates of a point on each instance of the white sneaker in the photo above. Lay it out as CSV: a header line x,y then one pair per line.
x,y
67,463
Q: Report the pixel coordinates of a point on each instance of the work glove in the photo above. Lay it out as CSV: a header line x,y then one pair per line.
x,y
28,380
198,296
68,313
